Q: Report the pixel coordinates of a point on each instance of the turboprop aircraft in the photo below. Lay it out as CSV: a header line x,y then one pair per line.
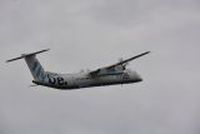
x,y
110,75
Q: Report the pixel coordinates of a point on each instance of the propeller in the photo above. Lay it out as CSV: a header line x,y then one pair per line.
x,y
123,65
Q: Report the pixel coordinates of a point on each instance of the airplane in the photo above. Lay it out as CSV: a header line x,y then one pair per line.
x,y
109,75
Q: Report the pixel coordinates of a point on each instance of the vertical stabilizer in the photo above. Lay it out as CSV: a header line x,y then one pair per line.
x,y
34,65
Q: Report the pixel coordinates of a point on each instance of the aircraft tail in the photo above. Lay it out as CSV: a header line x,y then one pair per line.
x,y
34,65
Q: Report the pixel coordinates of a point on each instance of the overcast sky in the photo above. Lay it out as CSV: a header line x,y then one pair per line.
x,y
87,34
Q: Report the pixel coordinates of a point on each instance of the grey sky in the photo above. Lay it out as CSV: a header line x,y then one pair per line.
x,y
92,33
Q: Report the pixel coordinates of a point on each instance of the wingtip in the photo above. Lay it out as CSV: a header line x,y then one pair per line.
x,y
148,52
45,50
48,49
7,61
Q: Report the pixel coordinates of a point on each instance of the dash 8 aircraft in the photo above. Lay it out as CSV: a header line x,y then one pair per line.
x,y
110,75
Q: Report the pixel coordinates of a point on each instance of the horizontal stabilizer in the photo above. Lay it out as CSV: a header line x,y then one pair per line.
x,y
27,55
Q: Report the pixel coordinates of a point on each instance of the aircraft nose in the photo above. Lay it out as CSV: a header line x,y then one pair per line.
x,y
138,78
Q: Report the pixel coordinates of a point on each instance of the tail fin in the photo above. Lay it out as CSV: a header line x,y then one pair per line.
x,y
34,65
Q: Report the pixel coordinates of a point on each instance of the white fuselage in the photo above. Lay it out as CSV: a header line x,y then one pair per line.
x,y
109,75
83,80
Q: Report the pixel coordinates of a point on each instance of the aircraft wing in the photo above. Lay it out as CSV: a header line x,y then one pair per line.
x,y
121,63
